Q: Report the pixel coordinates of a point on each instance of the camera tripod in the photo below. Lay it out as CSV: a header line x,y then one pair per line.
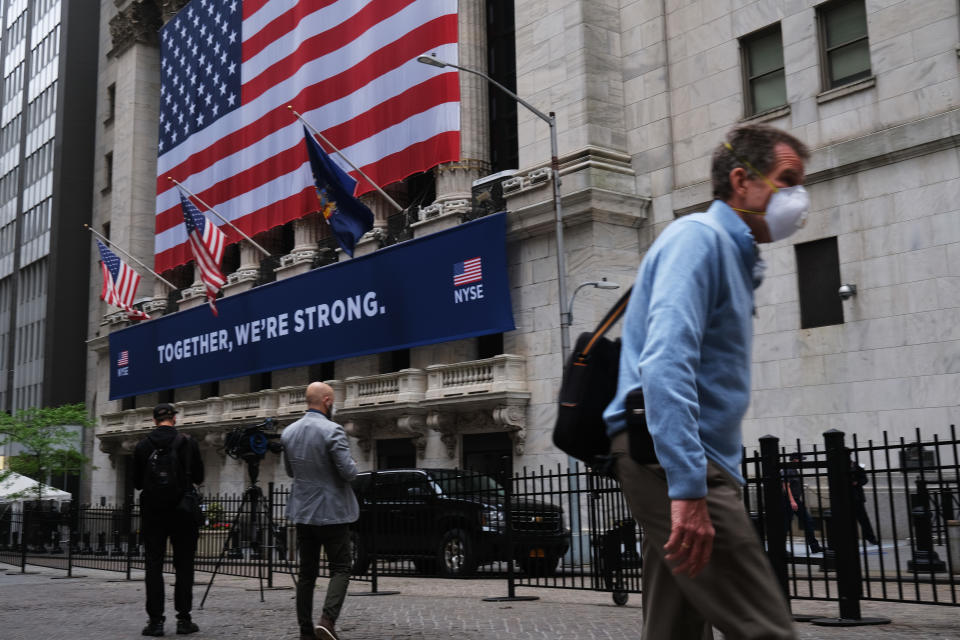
x,y
255,506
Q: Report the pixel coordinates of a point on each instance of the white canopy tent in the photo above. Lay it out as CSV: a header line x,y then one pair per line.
x,y
15,489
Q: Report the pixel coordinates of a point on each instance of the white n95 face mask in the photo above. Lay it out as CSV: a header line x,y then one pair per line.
x,y
787,211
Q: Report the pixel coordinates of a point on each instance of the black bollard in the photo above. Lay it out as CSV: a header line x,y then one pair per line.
x,y
843,540
133,545
87,549
101,544
74,542
117,547
925,559
773,506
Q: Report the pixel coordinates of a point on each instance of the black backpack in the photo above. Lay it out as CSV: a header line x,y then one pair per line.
x,y
165,478
589,384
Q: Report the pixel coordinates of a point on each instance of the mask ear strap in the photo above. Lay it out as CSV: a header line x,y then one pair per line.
x,y
749,166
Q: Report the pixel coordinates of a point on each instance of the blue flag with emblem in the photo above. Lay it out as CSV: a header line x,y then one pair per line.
x,y
348,217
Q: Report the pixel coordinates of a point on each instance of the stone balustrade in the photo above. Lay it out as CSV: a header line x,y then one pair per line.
x,y
394,396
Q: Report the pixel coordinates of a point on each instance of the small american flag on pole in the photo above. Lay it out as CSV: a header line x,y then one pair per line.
x,y
119,283
207,243
467,271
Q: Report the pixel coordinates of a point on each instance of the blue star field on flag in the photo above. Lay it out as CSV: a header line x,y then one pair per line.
x,y
200,68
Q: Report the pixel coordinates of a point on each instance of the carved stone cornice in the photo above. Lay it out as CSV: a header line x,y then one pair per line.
x,y
445,423
171,7
136,23
415,424
111,448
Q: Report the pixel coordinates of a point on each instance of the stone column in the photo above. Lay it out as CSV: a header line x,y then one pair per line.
x,y
133,131
455,179
246,274
300,259
195,294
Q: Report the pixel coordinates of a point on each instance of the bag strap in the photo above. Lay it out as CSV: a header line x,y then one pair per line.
x,y
187,460
608,321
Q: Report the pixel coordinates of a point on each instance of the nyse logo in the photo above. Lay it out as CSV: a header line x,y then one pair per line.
x,y
466,294
464,273
123,364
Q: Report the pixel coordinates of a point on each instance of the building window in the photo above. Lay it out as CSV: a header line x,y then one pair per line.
x,y
765,87
392,361
818,280
844,47
489,346
502,67
399,453
107,172
321,371
111,103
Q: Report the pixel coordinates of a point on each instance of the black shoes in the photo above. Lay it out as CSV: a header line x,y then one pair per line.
x,y
154,627
187,626
815,547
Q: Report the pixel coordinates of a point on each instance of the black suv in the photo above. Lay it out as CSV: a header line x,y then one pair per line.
x,y
449,521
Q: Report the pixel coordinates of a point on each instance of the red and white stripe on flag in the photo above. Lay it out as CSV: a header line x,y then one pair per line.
x,y
229,70
207,252
121,292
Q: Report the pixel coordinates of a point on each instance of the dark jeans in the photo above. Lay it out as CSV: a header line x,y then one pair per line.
x,y
335,540
803,516
866,529
183,534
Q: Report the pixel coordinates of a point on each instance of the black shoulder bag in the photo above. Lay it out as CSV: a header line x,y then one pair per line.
x,y
589,384
192,502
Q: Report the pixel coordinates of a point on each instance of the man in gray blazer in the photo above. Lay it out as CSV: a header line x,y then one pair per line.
x,y
316,454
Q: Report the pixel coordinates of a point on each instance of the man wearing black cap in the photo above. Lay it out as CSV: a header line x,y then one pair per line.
x,y
165,465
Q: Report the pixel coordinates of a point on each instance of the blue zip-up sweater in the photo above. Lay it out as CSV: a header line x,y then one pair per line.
x,y
687,336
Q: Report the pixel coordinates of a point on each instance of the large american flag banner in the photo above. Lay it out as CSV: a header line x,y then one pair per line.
x,y
229,70
120,283
207,243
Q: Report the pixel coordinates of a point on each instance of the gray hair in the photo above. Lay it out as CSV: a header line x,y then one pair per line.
x,y
753,144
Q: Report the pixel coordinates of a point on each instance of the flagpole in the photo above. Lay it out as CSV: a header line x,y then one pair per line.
x,y
346,159
154,273
214,212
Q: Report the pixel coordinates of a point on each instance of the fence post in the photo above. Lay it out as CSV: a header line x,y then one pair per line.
x,y
844,536
24,528
508,534
773,509
128,520
271,542
924,559
374,512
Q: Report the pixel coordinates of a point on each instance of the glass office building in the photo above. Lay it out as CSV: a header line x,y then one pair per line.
x,y
47,106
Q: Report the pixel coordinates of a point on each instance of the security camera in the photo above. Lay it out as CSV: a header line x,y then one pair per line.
x,y
847,291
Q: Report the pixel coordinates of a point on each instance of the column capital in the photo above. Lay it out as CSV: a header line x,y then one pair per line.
x,y
135,23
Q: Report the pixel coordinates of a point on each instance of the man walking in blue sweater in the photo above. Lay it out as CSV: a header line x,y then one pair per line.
x,y
687,339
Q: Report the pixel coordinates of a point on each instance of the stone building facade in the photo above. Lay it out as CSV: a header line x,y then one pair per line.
x,y
643,91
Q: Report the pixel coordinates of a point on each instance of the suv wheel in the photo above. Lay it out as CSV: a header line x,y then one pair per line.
x,y
358,555
456,555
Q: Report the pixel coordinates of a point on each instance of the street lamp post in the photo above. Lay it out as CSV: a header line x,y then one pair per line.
x,y
551,121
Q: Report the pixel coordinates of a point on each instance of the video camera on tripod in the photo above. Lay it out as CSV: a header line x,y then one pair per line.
x,y
251,443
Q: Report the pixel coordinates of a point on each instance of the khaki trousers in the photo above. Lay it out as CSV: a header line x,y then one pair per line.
x,y
737,592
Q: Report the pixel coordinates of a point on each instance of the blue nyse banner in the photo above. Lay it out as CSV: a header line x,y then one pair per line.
x,y
445,286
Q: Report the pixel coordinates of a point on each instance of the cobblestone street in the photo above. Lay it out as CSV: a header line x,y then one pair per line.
x,y
34,606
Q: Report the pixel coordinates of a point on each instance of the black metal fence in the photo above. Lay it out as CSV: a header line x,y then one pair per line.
x,y
881,526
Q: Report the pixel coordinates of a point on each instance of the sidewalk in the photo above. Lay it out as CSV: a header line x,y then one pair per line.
x,y
102,605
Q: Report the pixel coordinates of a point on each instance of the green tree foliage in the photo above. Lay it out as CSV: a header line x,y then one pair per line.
x,y
48,444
